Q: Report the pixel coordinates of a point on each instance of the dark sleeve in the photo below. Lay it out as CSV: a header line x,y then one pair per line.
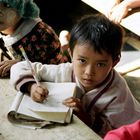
x,y
25,87
101,124
41,45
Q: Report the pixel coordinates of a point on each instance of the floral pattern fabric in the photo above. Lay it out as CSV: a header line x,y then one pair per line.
x,y
41,45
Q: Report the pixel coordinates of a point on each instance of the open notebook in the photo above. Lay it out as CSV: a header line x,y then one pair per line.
x,y
26,112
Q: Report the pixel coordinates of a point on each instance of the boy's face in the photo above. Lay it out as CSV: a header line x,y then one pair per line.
x,y
90,67
8,17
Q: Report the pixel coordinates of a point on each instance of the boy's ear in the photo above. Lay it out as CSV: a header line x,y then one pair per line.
x,y
116,61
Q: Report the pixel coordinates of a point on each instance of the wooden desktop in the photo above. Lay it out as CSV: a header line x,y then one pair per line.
x,y
77,130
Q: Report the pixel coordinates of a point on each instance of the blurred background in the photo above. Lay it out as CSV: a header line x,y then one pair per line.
x,y
62,14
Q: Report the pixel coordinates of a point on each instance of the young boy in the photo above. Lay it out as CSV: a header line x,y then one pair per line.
x,y
20,25
103,99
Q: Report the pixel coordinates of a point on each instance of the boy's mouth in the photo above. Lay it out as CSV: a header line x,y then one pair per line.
x,y
88,81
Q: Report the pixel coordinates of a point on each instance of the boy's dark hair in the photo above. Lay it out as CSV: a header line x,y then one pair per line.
x,y
99,32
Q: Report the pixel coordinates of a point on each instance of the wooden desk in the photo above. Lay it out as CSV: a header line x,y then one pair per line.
x,y
77,130
131,22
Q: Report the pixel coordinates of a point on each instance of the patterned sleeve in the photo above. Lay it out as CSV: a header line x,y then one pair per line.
x,y
42,45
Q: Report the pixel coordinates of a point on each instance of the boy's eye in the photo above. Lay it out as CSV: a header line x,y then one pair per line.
x,y
101,64
82,61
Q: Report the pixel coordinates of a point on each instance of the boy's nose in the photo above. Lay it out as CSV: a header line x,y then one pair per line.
x,y
90,70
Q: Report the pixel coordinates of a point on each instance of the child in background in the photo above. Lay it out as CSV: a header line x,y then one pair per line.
x,y
20,25
121,8
103,99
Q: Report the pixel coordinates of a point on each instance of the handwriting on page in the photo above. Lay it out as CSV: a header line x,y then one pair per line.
x,y
53,103
57,94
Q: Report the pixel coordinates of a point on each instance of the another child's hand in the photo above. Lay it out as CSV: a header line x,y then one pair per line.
x,y
74,103
118,12
38,93
108,8
5,67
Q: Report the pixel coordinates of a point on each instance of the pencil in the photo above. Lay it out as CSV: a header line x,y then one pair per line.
x,y
29,64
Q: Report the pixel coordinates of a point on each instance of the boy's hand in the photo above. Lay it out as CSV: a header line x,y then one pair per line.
x,y
74,103
38,93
